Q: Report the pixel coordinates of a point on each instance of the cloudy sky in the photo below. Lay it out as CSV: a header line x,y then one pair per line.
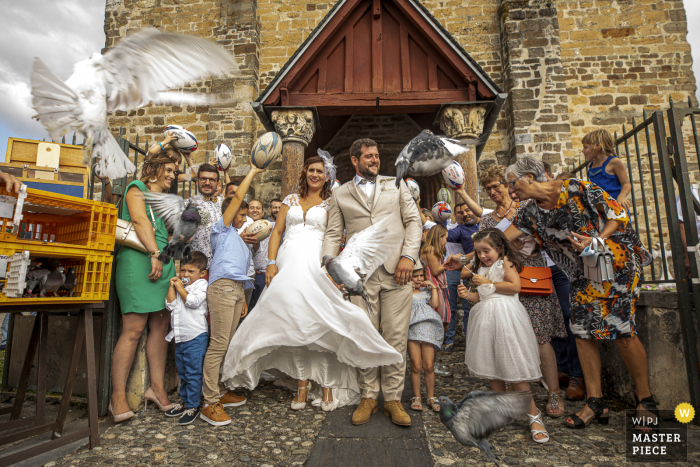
x,y
62,32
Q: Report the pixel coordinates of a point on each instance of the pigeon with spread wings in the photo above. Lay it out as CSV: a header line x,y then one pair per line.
x,y
141,69
364,253
428,153
473,419
181,217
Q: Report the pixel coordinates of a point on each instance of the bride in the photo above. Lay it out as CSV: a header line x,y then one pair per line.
x,y
301,325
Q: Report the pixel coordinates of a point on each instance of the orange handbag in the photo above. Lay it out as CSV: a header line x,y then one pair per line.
x,y
536,281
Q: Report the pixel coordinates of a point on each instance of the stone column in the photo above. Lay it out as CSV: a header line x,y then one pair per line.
x,y
465,122
296,127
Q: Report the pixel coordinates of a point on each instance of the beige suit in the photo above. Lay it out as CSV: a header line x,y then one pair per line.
x,y
352,210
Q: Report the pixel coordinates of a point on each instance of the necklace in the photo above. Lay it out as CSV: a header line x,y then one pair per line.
x,y
504,215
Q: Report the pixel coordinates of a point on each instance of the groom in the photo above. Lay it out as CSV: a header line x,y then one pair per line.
x,y
356,205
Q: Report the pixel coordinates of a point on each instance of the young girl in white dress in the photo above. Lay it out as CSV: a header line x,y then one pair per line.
x,y
501,345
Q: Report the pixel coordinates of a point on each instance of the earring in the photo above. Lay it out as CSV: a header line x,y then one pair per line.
x,y
530,182
155,180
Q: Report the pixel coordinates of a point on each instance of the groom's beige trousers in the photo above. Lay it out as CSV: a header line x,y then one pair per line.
x,y
391,304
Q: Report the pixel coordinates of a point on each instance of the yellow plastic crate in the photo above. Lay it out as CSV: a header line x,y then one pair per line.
x,y
60,219
93,269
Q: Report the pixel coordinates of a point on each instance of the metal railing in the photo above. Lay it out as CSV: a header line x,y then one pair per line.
x,y
658,154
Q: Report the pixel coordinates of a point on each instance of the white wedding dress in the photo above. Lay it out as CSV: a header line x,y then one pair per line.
x,y
302,326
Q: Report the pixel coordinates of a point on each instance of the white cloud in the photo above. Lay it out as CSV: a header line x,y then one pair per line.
x,y
61,33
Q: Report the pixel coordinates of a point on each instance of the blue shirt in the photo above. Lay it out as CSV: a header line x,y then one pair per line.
x,y
230,255
463,234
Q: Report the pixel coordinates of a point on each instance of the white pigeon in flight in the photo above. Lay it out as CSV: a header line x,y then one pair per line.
x,y
141,69
428,153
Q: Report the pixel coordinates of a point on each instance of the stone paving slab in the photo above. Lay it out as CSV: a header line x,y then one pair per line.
x,y
375,452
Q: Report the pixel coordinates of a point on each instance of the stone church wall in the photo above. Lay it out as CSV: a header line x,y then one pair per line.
x,y
569,66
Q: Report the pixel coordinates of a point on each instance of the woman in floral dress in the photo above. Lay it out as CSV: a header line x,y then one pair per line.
x,y
563,217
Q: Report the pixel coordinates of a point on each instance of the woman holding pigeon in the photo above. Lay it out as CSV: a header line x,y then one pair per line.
x,y
142,285
302,327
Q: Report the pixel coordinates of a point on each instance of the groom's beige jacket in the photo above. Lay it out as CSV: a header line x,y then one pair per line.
x,y
352,210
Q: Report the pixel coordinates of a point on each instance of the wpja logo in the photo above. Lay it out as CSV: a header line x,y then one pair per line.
x,y
658,437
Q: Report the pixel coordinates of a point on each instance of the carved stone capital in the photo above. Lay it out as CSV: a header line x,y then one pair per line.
x,y
295,125
463,121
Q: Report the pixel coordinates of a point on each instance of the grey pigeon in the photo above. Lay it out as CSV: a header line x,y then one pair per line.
x,y
143,68
54,281
472,420
70,282
428,153
363,254
36,277
181,218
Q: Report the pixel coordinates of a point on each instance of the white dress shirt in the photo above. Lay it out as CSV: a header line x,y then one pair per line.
x,y
260,256
188,319
251,266
368,187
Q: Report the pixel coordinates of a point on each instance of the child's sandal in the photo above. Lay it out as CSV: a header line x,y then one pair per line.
x,y
416,403
433,403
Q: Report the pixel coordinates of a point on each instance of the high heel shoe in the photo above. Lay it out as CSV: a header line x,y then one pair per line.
x,y
534,431
301,404
598,407
151,396
122,416
327,406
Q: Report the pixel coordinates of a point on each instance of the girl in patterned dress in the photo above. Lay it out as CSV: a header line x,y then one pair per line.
x,y
432,253
425,334
501,345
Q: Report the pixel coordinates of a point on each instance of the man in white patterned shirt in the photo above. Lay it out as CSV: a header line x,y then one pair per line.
x,y
260,256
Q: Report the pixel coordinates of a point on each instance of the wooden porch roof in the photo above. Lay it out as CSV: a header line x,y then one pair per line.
x,y
379,57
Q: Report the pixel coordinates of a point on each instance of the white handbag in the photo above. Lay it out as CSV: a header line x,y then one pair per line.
x,y
126,235
598,262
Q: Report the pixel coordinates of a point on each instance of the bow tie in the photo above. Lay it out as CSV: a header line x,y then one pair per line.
x,y
210,198
364,181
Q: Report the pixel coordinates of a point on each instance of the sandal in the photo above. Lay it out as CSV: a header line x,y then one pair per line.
x,y
416,404
554,405
433,403
302,398
600,412
650,405
538,419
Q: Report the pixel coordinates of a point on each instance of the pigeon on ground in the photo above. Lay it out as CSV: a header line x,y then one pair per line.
x,y
428,153
181,218
70,282
480,413
54,281
362,255
138,71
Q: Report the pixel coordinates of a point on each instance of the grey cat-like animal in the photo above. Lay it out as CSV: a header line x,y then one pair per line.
x,y
472,420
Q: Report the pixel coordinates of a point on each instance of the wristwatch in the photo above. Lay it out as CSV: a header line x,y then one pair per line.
x,y
463,260
271,262
154,254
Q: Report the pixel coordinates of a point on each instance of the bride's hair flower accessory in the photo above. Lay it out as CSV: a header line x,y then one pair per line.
x,y
328,164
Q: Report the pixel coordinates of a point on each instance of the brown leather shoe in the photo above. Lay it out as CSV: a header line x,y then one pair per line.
x,y
366,408
576,390
398,415
563,379
231,399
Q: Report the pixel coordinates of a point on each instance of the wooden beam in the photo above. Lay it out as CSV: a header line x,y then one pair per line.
x,y
405,59
432,74
349,62
284,96
377,60
377,8
322,66
370,99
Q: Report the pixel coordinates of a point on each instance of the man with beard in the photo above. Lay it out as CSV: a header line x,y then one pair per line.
x,y
275,206
356,205
259,255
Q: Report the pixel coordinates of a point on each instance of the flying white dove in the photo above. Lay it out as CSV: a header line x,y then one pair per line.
x,y
364,253
428,153
139,70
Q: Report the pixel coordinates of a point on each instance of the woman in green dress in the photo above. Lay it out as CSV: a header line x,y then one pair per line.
x,y
142,284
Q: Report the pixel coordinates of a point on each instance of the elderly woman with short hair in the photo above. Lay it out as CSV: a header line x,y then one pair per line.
x,y
564,217
544,311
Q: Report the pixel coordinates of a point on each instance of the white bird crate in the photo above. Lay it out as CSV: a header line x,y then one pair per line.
x,y
15,285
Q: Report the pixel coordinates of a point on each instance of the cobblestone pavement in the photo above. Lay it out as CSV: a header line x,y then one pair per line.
x,y
266,432
596,445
